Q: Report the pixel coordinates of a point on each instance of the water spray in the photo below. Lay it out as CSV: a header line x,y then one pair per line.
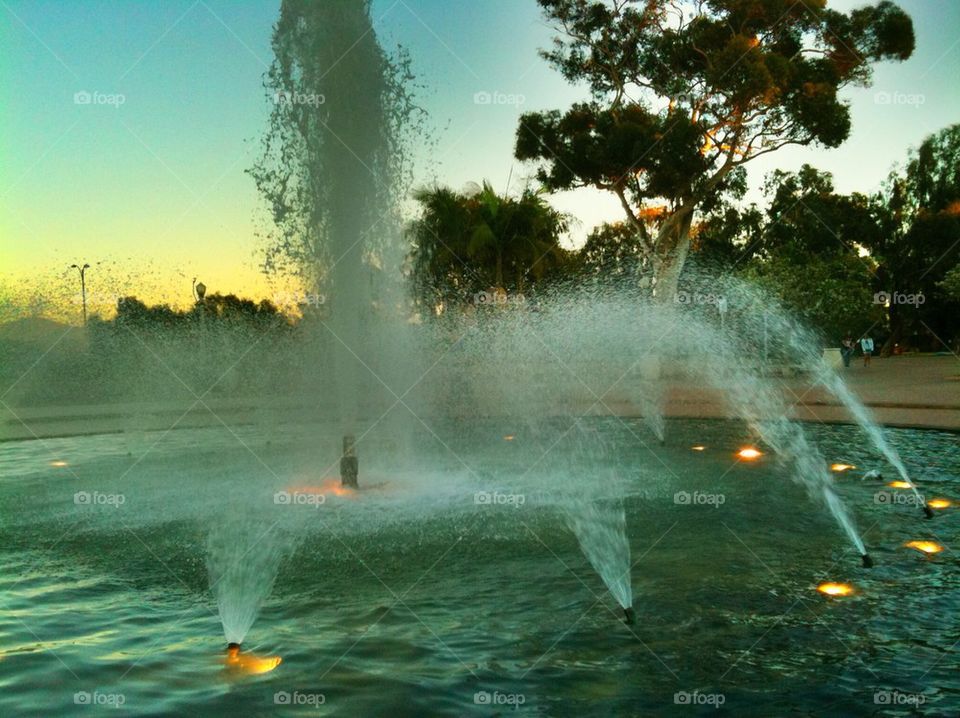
x,y
349,464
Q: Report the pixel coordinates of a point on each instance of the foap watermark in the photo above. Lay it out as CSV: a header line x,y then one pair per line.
x,y
497,498
899,498
110,99
299,299
898,698
96,698
497,297
498,98
899,98
96,498
97,299
699,298
298,698
310,99
496,698
699,498
299,498
696,698
900,298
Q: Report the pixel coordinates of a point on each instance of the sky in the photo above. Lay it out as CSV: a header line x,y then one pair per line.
x,y
147,182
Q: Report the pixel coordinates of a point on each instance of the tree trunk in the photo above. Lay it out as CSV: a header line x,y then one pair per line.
x,y
673,245
896,331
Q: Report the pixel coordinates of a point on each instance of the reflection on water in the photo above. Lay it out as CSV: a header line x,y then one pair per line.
x,y
413,598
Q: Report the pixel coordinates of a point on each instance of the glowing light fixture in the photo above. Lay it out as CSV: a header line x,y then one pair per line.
x,y
508,437
698,447
59,463
329,487
840,468
939,503
749,453
835,589
925,546
249,663
900,485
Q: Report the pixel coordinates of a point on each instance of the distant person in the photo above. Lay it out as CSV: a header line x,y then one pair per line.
x,y
866,346
847,347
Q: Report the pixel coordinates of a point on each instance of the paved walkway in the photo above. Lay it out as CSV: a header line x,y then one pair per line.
x,y
920,391
913,390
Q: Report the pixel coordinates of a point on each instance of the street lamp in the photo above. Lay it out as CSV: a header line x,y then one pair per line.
x,y
199,289
83,287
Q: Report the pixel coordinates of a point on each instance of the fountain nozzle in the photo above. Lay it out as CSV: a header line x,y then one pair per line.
x,y
349,464
867,561
233,648
927,511
629,617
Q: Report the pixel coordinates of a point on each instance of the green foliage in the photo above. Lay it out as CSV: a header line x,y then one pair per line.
x,y
806,251
832,293
611,251
807,217
464,244
919,212
951,283
684,93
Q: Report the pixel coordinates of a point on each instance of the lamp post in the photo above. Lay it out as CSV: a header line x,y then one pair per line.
x,y
199,290
83,287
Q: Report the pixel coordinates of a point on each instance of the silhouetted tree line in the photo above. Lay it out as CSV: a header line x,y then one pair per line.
x,y
887,263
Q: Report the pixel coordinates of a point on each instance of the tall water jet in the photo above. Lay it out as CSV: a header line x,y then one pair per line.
x,y
330,171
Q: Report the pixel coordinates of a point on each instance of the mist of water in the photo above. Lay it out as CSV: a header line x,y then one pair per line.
x,y
243,557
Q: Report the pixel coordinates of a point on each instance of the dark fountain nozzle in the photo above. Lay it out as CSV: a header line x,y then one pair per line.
x,y
349,464
629,617
867,561
927,511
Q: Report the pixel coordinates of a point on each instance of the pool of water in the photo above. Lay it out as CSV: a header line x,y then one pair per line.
x,y
451,584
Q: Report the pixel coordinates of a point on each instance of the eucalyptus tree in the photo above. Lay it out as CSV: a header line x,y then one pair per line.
x,y
685,92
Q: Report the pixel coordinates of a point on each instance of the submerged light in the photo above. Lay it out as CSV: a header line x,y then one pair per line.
x,y
840,468
58,463
900,485
508,437
698,447
939,503
925,546
249,663
835,589
749,453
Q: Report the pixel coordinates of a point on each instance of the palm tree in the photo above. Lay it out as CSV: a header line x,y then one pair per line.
x,y
468,243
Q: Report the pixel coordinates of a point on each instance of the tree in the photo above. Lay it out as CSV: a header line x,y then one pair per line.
x,y
919,210
611,250
808,252
951,283
464,244
684,92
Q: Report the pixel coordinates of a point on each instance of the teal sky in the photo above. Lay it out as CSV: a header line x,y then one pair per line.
x,y
155,187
